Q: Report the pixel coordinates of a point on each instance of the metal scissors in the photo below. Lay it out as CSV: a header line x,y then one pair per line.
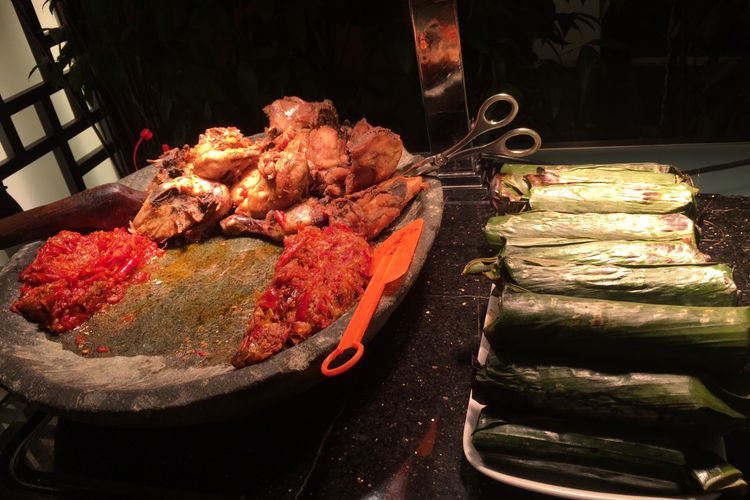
x,y
481,126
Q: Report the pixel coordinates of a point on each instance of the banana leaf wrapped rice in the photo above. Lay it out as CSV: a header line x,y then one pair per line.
x,y
512,187
648,399
609,455
613,198
525,169
619,332
623,253
699,285
553,228
683,338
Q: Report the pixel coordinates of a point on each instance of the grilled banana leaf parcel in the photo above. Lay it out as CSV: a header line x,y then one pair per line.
x,y
609,175
712,339
517,187
668,401
623,253
525,169
509,187
689,285
613,198
554,228
603,454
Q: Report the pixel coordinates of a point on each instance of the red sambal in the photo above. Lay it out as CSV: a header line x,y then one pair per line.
x,y
320,274
73,276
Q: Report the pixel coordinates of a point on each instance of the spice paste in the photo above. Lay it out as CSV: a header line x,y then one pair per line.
x,y
320,274
73,276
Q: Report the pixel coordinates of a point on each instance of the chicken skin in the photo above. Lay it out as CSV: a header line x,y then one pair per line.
x,y
293,113
374,152
187,206
222,154
367,212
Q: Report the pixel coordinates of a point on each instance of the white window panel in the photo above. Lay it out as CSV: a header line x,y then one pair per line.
x,y
101,174
46,18
3,154
28,125
84,143
38,183
15,63
55,51
62,107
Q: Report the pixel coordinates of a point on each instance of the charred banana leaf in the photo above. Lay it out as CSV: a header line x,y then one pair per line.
x,y
623,253
517,187
668,401
609,175
711,339
524,169
689,285
553,228
613,198
616,456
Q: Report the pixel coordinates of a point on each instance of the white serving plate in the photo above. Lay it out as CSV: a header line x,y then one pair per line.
x,y
538,484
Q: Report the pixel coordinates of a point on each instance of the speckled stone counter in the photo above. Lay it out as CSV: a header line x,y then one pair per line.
x,y
391,428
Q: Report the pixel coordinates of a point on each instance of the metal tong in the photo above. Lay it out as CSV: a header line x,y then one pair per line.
x,y
481,126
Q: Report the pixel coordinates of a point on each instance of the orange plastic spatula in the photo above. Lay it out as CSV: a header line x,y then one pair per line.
x,y
392,259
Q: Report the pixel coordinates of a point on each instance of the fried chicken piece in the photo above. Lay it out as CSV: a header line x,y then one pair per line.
x,y
281,179
278,223
367,212
374,152
285,151
176,162
222,154
370,211
187,206
293,113
254,195
328,161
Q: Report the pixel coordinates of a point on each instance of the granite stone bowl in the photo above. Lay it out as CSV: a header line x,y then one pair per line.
x,y
149,390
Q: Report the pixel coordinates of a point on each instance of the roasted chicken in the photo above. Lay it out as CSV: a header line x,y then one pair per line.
x,y
367,212
370,211
278,223
328,160
187,206
293,113
171,164
223,154
281,179
375,152
268,183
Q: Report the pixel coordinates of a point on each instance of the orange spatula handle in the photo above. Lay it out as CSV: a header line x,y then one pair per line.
x,y
352,338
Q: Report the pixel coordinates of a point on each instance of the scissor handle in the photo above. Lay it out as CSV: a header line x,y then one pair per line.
x,y
482,124
500,145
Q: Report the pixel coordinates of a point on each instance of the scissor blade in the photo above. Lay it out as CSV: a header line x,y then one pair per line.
x,y
420,166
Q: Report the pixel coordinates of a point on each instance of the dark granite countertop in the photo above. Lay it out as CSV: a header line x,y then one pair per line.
x,y
390,428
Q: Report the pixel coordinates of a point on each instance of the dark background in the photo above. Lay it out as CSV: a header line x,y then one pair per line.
x,y
662,71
